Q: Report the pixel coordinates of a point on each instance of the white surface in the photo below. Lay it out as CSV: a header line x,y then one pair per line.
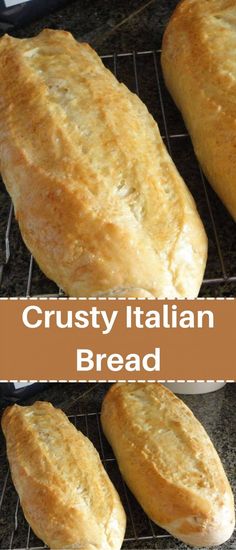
x,y
19,385
10,3
194,387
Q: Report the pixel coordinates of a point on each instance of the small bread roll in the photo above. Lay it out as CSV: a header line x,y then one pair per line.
x,y
99,201
169,462
64,491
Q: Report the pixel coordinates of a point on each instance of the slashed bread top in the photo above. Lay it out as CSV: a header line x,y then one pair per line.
x,y
99,201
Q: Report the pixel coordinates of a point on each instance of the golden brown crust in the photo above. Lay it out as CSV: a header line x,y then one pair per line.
x,y
98,200
65,493
169,462
198,60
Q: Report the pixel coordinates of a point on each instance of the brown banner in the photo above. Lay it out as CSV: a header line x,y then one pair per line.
x,y
117,339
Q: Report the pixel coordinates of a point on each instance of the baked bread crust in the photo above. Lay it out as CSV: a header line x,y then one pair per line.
x,y
198,61
65,493
169,462
99,202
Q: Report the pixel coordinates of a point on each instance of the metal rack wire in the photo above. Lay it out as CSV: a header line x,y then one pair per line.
x,y
19,275
140,530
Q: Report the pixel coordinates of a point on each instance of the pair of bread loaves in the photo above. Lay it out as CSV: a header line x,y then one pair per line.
x,y
98,200
163,452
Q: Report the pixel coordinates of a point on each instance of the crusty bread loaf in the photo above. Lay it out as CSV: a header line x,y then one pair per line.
x,y
198,60
99,202
65,493
169,462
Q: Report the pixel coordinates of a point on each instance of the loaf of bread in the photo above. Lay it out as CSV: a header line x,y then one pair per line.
x,y
198,61
99,202
169,462
64,491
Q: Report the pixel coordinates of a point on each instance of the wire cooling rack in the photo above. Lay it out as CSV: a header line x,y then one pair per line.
x,y
141,72
16,533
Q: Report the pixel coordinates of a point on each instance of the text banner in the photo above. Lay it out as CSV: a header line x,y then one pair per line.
x,y
103,339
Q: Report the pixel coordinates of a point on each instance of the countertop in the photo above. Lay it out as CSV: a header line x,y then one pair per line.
x,y
122,27
109,25
216,411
